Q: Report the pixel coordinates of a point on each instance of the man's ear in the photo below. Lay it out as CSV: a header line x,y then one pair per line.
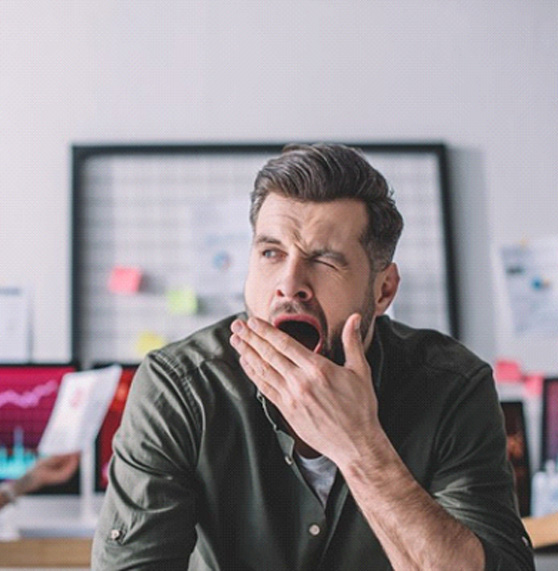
x,y
385,288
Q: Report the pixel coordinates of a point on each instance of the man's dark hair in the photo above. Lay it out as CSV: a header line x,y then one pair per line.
x,y
327,172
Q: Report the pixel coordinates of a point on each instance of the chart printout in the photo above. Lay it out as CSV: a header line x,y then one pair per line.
x,y
80,408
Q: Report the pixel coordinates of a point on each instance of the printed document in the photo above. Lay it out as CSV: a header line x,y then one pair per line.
x,y
81,406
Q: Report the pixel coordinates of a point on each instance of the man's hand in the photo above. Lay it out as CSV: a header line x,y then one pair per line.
x,y
56,469
332,409
46,472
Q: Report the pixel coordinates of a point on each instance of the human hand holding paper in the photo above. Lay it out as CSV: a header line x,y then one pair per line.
x,y
81,405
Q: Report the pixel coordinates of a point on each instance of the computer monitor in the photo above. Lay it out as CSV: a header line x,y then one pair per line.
x,y
549,436
27,396
103,444
518,452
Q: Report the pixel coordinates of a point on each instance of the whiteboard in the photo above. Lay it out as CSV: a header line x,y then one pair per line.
x,y
175,219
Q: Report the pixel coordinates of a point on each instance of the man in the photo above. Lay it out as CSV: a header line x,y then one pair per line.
x,y
320,434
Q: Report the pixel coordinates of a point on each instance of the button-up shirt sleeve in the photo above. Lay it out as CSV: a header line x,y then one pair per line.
x,y
149,513
473,481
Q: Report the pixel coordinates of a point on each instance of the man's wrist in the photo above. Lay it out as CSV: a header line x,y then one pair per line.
x,y
27,483
373,453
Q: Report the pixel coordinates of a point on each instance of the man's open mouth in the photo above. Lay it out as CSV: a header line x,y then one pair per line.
x,y
304,328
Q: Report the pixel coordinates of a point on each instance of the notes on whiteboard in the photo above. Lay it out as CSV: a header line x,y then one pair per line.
x,y
221,242
182,301
149,341
15,325
124,280
81,405
531,276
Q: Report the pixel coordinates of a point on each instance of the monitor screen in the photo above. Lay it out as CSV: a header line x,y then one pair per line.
x,y
518,452
110,424
549,421
27,396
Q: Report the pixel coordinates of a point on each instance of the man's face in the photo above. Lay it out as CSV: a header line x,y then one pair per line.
x,y
309,271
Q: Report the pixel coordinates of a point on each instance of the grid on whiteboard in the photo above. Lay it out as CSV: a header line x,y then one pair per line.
x,y
146,207
422,300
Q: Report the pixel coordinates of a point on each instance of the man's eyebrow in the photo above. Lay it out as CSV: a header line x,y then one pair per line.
x,y
265,239
335,255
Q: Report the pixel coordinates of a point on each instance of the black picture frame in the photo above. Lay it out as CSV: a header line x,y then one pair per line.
x,y
81,154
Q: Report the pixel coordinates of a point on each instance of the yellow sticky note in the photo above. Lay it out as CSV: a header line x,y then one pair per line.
x,y
182,301
149,341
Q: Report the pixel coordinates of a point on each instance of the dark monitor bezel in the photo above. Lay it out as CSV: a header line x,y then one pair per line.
x,y
518,407
545,440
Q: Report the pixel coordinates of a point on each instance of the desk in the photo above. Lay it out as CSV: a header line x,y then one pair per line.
x,y
74,552
55,552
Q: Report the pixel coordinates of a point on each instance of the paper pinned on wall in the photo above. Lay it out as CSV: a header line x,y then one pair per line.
x,y
182,301
531,276
81,405
124,280
15,325
222,238
148,341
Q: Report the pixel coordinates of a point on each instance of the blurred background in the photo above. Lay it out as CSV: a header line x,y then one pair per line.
x,y
480,76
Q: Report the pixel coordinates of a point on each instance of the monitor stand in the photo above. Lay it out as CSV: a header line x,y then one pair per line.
x,y
60,515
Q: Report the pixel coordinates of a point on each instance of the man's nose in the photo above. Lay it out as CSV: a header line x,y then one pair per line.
x,y
294,283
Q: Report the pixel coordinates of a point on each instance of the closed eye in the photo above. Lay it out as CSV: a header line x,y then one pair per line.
x,y
326,262
330,258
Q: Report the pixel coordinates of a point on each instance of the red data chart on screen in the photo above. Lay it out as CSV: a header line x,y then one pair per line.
x,y
110,426
27,397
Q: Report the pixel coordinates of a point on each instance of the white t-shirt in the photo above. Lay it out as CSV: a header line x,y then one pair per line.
x,y
319,473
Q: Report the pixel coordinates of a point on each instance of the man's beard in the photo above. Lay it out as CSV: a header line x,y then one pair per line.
x,y
333,342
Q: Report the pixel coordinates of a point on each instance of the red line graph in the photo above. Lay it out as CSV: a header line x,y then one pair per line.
x,y
28,399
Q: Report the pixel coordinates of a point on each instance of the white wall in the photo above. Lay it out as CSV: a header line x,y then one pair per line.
x,y
482,76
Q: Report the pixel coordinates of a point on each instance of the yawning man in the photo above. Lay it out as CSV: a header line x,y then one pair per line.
x,y
312,431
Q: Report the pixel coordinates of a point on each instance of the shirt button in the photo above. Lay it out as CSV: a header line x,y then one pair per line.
x,y
115,534
288,460
314,529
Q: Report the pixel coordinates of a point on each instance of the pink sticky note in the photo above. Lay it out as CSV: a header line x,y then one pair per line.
x,y
507,371
124,280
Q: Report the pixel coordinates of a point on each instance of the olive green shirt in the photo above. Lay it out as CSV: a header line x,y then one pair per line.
x,y
203,475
